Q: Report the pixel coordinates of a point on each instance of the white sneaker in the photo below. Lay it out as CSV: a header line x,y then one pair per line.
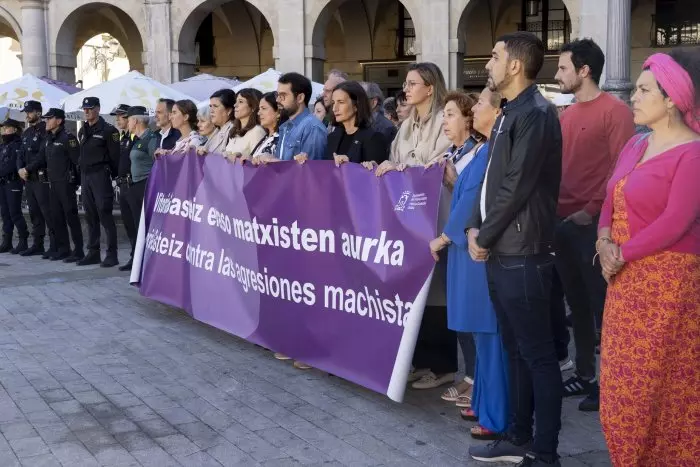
x,y
566,365
431,381
417,374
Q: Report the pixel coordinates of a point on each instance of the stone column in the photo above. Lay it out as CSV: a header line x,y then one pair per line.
x,y
434,37
158,54
455,75
314,60
617,57
290,44
35,58
592,21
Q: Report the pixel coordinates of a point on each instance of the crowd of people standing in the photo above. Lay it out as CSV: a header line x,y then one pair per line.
x,y
539,212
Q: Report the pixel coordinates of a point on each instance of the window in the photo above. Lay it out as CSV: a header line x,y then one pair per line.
x,y
676,22
551,24
406,34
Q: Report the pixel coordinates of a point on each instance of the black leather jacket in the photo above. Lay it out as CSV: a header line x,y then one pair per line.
x,y
522,180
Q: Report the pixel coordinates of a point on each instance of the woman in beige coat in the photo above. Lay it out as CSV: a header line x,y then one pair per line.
x,y
420,141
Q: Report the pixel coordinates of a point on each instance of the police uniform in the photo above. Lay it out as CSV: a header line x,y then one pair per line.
x,y
11,187
123,181
32,158
99,156
62,155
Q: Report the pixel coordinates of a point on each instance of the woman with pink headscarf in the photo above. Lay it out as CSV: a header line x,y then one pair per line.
x,y
649,247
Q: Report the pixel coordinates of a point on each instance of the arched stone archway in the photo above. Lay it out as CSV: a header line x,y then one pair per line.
x,y
10,44
244,30
477,23
9,26
357,33
74,24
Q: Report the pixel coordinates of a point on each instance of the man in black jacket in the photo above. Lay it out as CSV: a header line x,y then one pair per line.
x,y
99,158
11,189
31,167
62,159
512,228
168,135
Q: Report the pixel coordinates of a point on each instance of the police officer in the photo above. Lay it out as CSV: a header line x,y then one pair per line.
x,y
124,178
11,187
31,166
99,157
62,155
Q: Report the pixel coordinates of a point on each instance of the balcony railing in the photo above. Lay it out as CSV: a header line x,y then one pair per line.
x,y
674,34
557,31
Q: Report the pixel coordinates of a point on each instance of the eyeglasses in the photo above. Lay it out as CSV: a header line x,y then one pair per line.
x,y
410,84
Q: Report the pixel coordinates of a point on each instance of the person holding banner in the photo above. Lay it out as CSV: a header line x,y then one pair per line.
x,y
184,119
420,140
205,127
470,310
246,132
221,105
354,139
270,119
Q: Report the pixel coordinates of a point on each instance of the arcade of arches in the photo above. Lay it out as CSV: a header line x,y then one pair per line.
x,y
370,39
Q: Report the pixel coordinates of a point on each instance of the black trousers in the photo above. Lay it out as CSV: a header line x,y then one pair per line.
x,y
11,209
64,210
128,215
98,200
520,289
560,331
40,212
466,343
436,348
584,288
137,191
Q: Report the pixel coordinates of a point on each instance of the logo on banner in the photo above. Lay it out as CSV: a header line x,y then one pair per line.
x,y
410,201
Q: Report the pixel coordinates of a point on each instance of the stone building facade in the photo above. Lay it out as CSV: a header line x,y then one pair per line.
x,y
370,39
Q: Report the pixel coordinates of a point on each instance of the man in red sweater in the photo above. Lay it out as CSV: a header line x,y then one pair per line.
x,y
594,131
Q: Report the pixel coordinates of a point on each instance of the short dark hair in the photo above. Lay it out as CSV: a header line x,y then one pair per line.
x,y
585,52
401,97
526,47
168,103
227,98
389,106
689,59
252,97
300,85
358,96
188,108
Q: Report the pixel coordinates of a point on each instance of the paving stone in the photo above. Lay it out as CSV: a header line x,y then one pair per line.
x,y
43,460
56,434
56,395
124,400
115,456
29,447
200,434
139,413
17,430
157,427
135,441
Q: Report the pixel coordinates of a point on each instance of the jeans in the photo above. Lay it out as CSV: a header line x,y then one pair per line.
x,y
584,288
520,288
466,343
558,317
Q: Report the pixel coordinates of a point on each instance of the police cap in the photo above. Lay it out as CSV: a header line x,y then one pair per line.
x,y
32,106
137,110
91,102
120,110
55,113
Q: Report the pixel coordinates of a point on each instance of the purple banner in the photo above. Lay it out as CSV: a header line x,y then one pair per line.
x,y
328,265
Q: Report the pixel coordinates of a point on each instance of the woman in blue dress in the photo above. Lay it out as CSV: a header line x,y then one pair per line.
x,y
469,307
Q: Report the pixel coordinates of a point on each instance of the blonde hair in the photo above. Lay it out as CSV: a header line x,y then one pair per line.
x,y
431,75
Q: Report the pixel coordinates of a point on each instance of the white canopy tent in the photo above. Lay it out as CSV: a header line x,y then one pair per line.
x,y
204,85
15,93
132,88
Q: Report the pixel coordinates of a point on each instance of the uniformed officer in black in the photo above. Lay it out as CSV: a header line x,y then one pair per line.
x,y
124,178
31,165
62,155
11,187
99,157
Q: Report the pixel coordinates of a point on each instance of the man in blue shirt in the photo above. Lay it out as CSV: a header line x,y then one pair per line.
x,y
302,133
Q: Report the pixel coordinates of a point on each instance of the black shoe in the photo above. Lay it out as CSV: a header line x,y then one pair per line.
x,y
48,255
577,386
109,261
592,402
92,257
6,245
60,255
531,460
75,257
33,250
127,266
501,450
21,246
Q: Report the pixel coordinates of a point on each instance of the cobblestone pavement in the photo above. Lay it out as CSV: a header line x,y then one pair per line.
x,y
93,374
